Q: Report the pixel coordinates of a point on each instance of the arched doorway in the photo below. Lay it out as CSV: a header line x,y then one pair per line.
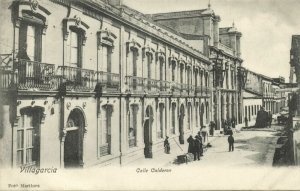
x,y
181,120
148,132
73,145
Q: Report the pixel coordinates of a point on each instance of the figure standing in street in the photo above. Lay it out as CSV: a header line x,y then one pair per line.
x,y
167,145
204,133
197,148
211,128
190,140
201,143
231,142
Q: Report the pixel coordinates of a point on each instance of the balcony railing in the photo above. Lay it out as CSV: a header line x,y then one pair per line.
x,y
8,78
77,79
109,81
164,87
35,75
136,84
152,85
202,91
175,87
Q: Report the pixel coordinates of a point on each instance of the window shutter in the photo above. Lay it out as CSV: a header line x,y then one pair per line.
x,y
23,42
38,44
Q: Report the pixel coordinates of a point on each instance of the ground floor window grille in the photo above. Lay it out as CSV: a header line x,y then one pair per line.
x,y
28,138
105,130
132,125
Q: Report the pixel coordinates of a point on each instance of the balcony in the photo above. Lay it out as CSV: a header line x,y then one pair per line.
x,y
8,79
136,84
151,85
77,79
202,91
35,75
184,89
110,82
191,89
164,87
175,88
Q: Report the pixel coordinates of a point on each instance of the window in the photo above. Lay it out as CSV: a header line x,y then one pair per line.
x,y
173,117
134,68
105,130
28,138
173,71
74,49
30,42
133,125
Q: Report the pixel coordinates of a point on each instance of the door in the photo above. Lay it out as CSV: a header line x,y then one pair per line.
x,y
181,120
148,132
71,147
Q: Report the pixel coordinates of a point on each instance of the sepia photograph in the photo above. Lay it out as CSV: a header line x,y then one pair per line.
x,y
149,95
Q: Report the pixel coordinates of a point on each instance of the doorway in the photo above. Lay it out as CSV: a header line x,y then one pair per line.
x,y
148,132
181,120
73,145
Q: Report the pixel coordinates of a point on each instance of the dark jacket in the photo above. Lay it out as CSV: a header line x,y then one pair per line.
x,y
230,139
198,145
190,140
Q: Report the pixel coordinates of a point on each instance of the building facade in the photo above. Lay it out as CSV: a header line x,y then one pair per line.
x,y
87,83
222,46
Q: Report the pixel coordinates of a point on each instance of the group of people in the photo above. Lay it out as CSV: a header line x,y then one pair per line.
x,y
227,125
195,146
196,143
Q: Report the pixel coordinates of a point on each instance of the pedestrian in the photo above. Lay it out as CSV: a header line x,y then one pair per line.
x,y
167,145
201,143
246,121
204,133
233,121
211,128
197,148
270,119
231,142
190,140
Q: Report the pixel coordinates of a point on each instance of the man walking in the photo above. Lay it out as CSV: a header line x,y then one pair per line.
x,y
231,142
197,148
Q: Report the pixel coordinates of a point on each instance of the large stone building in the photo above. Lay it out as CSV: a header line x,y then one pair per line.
x,y
295,98
222,46
262,91
87,83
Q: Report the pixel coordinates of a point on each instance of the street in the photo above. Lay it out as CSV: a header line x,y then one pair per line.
x,y
255,147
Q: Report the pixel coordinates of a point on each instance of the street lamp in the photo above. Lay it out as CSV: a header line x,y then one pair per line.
x,y
219,73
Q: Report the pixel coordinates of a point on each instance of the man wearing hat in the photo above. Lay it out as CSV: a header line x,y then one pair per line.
x,y
197,148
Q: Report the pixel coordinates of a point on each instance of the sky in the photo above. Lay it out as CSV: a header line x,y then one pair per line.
x,y
267,27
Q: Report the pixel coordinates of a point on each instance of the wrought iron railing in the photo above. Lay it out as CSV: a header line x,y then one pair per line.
x,y
164,86
8,78
175,87
77,79
35,75
151,85
108,80
136,84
